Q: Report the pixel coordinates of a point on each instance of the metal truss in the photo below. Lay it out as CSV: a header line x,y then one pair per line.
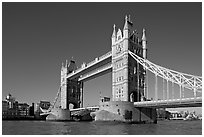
x,y
183,80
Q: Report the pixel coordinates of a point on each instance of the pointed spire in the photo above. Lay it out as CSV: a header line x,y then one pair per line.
x,y
66,65
126,23
143,35
114,32
126,18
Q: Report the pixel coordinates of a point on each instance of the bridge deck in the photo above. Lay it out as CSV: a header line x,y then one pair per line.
x,y
171,103
96,64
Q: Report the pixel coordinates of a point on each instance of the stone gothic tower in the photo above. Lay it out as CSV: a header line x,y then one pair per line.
x,y
70,89
128,76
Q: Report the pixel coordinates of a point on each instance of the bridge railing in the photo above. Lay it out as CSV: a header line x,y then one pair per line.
x,y
78,70
105,55
171,102
99,59
92,62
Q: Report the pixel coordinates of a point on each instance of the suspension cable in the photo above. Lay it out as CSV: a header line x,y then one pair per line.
x,y
171,74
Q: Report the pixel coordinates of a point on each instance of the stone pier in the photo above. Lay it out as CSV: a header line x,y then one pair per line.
x,y
125,112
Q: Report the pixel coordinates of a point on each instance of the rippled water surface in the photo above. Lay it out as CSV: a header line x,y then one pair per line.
x,y
101,128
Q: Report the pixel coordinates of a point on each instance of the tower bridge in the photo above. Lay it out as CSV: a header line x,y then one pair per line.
x,y
127,61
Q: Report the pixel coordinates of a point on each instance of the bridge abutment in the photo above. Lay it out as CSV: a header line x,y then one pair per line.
x,y
58,114
125,111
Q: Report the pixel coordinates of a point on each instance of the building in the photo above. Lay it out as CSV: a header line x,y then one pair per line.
x,y
105,99
9,107
39,108
44,104
163,114
31,110
5,107
23,109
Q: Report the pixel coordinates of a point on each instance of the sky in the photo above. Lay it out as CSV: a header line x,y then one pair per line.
x,y
38,37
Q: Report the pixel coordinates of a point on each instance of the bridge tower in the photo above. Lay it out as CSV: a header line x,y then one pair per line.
x,y
128,76
70,89
128,79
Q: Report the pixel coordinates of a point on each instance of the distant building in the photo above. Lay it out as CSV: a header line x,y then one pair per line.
x,y
44,104
9,107
163,114
105,99
39,107
23,109
31,110
5,107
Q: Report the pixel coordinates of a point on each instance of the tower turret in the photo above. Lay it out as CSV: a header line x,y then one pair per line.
x,y
62,66
62,69
71,66
127,27
144,44
63,74
113,35
66,64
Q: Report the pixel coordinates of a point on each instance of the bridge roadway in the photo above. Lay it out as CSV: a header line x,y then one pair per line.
x,y
171,103
99,66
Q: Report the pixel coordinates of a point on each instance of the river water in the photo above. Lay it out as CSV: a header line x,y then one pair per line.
x,y
101,128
